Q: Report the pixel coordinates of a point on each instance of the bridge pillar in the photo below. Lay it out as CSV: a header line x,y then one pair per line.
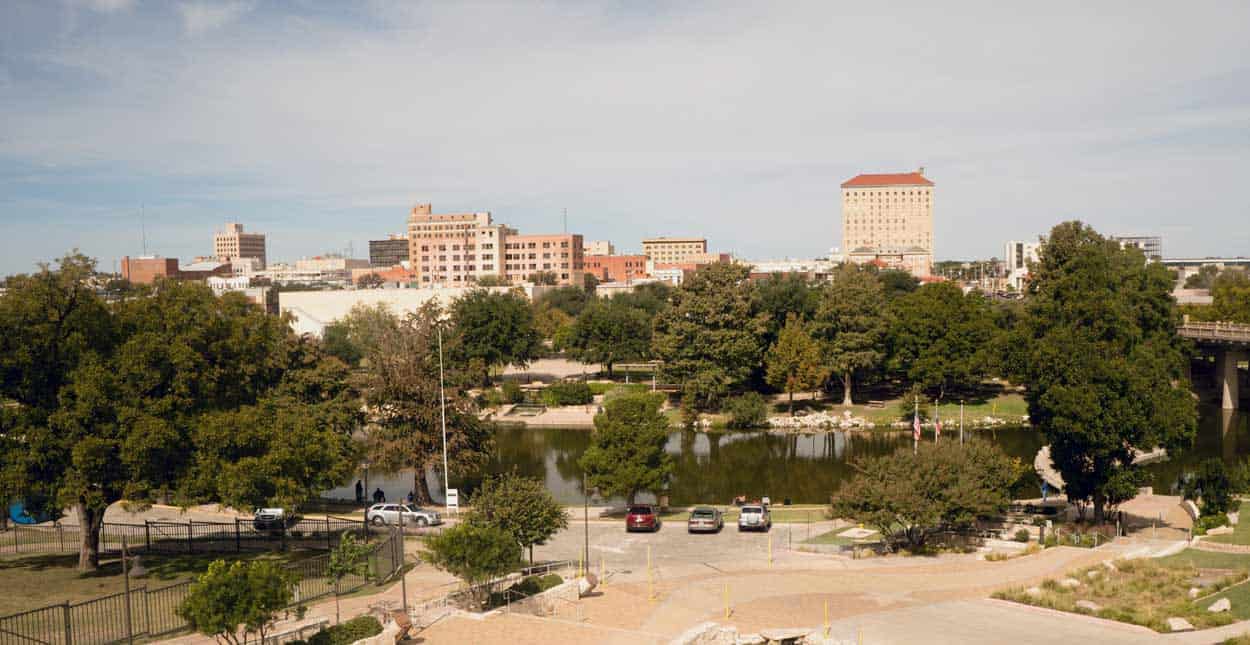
x,y
1226,377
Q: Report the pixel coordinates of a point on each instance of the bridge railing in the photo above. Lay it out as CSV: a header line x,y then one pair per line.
x,y
1228,331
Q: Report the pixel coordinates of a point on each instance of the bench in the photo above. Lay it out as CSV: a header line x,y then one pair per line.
x,y
876,405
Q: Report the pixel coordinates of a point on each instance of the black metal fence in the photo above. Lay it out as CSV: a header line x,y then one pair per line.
x,y
156,536
151,613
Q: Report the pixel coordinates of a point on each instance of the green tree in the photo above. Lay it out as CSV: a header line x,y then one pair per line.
x,y
1101,360
522,506
651,297
626,454
357,334
230,601
546,278
402,393
552,324
851,325
895,283
709,338
370,281
1230,294
493,329
794,361
492,280
474,552
608,332
780,296
349,558
747,410
1212,487
570,300
941,339
909,497
1204,278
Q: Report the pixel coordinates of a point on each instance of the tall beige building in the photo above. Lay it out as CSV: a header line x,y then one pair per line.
x,y
673,250
888,219
232,243
454,248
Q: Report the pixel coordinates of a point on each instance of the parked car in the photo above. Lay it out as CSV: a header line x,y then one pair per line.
x,y
755,517
384,514
705,519
642,517
272,519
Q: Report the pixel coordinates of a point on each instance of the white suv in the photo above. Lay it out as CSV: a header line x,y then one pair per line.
x,y
380,514
754,517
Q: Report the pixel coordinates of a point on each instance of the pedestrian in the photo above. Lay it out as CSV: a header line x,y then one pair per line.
x,y
360,492
379,496
411,497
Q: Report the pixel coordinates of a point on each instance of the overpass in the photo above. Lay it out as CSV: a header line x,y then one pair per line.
x,y
1230,342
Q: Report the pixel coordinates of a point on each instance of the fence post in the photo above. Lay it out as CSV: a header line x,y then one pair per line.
x,y
190,536
283,528
329,542
69,630
147,536
17,545
147,612
60,536
238,537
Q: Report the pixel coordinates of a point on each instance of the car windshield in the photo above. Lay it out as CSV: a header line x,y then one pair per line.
x,y
639,510
703,512
755,510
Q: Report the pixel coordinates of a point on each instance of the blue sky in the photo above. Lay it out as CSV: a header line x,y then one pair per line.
x,y
321,124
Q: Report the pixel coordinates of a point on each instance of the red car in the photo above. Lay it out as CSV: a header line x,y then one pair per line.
x,y
642,517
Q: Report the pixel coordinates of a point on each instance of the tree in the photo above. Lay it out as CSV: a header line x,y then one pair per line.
x,y
522,506
1101,360
547,278
570,300
1230,294
130,384
1204,278
608,332
895,283
941,339
794,361
651,297
709,338
850,324
357,334
626,454
474,552
492,280
493,329
1212,486
240,597
780,296
403,397
908,497
349,558
370,281
551,323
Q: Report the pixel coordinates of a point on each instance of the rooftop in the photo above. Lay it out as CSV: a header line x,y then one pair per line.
x,y
890,179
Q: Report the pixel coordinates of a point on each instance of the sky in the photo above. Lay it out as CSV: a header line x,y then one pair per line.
x,y
322,123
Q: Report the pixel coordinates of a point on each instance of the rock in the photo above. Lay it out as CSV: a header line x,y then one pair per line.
x,y
750,639
1034,592
1194,592
784,634
1223,604
1179,625
695,634
1088,605
1109,566
1069,583
1093,575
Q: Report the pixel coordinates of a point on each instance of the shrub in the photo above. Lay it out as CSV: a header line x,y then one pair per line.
x,y
1208,522
348,632
512,392
567,393
747,411
1022,535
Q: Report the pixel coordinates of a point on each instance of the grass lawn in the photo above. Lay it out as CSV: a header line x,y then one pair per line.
x,y
1142,592
832,537
49,579
1208,559
1239,595
1009,405
1241,532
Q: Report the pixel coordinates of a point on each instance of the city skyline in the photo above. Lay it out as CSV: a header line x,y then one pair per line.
x,y
738,123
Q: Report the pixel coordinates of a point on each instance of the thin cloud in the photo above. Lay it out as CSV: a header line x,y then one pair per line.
x,y
199,18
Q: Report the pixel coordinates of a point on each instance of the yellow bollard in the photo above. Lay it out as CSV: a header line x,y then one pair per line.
x,y
860,635
726,600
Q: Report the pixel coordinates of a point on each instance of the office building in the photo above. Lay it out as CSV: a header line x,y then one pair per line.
x,y
454,248
887,219
673,250
561,254
1150,245
1017,257
232,242
393,251
611,268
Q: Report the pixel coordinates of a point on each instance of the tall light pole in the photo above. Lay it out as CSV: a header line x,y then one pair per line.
x,y
442,400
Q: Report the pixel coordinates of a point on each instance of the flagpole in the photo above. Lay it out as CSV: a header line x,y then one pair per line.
x,y
915,420
961,422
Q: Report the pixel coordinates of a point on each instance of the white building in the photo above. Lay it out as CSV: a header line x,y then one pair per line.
x,y
598,247
1017,256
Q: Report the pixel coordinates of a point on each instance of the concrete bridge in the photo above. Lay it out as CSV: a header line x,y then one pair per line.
x,y
1230,342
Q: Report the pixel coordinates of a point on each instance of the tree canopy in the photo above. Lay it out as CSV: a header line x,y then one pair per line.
x,y
231,600
850,323
522,506
607,332
1101,360
474,552
794,361
941,339
493,329
626,454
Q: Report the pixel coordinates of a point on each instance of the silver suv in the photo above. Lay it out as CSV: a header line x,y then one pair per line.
x,y
380,514
754,517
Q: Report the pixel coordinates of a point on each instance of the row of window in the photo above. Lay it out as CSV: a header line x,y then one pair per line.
x,y
532,245
532,256
533,266
456,247
456,267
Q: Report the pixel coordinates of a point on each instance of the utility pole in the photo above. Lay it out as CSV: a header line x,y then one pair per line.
x,y
403,558
442,399
586,517
130,630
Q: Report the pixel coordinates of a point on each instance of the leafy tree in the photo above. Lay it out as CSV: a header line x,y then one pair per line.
x,y
349,558
794,361
626,454
474,552
570,300
608,332
551,323
492,280
1230,294
910,497
1204,278
230,601
1099,355
851,324
895,283
1211,485
402,393
709,338
780,296
357,334
589,282
493,329
547,278
370,281
522,506
747,410
941,339
651,297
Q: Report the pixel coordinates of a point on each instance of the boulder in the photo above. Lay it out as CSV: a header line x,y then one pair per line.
x,y
1179,625
1194,592
1034,592
1223,604
1089,606
1093,575
1109,566
1069,583
750,639
695,634
782,635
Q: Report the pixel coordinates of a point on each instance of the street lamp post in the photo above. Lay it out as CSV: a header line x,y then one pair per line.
x,y
586,519
442,400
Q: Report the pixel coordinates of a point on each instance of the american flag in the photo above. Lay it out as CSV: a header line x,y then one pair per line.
x,y
937,426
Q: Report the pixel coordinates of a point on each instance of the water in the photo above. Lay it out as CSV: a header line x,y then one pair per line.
x,y
715,467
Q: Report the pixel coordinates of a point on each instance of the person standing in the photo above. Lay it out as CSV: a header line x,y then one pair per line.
x,y
379,496
360,492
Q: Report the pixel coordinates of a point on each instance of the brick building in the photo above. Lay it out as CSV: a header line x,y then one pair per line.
x,y
561,254
610,268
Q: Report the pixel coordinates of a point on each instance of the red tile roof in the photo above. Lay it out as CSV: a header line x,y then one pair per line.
x,y
895,179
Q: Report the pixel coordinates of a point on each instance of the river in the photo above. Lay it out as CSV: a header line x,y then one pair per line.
x,y
714,467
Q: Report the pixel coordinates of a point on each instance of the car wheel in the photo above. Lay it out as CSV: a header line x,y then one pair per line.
x,y
378,521
422,522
